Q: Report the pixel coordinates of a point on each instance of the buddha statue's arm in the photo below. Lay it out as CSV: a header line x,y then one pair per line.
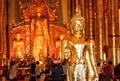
x,y
65,49
22,45
32,24
92,57
63,44
90,62
46,32
68,48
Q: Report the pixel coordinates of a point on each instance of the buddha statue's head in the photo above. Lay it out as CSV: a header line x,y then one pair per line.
x,y
61,36
18,36
78,24
39,11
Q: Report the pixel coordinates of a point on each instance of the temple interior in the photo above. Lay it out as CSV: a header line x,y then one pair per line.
x,y
32,29
83,32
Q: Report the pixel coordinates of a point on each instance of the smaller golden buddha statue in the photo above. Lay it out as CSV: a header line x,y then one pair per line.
x,y
58,46
18,45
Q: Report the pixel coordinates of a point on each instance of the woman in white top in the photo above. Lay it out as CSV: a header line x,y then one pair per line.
x,y
38,70
13,72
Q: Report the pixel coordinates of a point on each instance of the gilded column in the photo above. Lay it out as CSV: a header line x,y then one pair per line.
x,y
11,10
11,20
106,21
117,32
89,18
113,33
73,7
105,29
90,8
86,18
66,11
119,35
99,28
3,21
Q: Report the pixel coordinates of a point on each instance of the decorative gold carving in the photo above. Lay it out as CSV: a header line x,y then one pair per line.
x,y
49,9
52,6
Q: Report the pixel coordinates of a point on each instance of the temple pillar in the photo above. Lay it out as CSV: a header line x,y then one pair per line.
x,y
73,7
99,34
66,12
105,30
13,11
114,35
60,16
90,19
119,35
3,21
86,19
12,18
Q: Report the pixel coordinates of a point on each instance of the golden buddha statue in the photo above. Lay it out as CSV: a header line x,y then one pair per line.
x,y
39,25
80,53
58,44
18,45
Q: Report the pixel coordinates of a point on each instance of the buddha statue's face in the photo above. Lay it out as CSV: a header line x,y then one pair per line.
x,y
61,37
78,25
18,36
39,14
39,11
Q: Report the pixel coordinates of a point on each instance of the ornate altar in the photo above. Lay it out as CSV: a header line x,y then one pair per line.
x,y
54,32
36,36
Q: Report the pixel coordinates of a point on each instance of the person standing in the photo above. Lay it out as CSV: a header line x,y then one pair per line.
x,y
32,72
1,72
13,71
99,70
38,70
65,66
108,71
57,72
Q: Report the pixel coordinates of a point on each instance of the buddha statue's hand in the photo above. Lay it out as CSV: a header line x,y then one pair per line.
x,y
95,78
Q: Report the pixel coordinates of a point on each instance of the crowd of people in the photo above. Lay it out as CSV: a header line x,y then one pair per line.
x,y
107,72
36,71
52,71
